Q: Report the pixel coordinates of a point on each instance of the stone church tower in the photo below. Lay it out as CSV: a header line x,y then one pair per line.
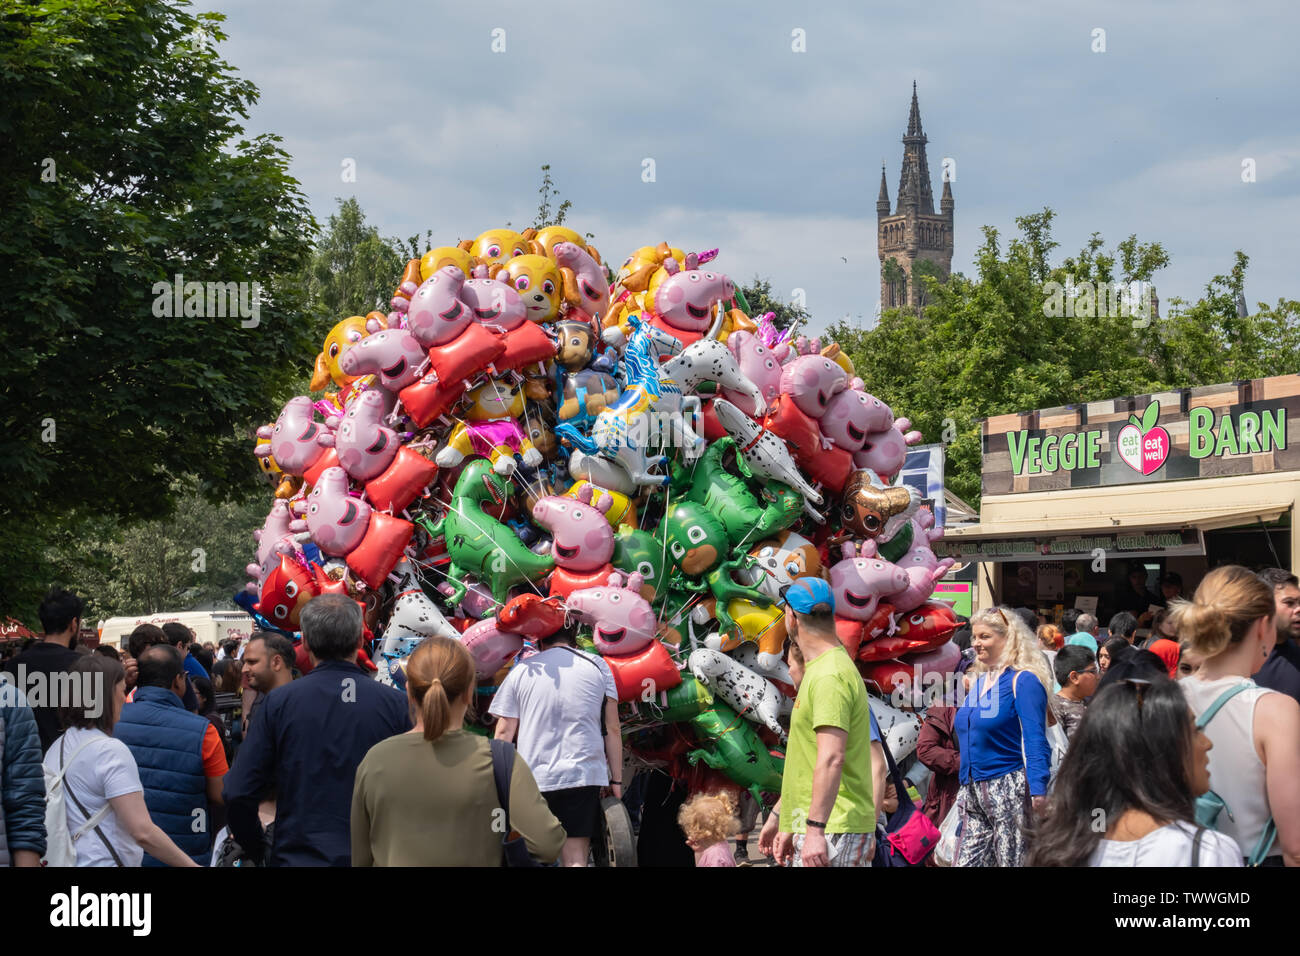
x,y
913,236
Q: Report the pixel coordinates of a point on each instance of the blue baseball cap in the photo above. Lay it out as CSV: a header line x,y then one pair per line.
x,y
806,593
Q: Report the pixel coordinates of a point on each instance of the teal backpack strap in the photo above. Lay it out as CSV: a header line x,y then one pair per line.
x,y
1222,699
1266,840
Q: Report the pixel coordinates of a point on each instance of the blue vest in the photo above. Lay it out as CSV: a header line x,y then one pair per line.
x,y
167,743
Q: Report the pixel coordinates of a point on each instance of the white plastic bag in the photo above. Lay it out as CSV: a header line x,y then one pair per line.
x,y
945,851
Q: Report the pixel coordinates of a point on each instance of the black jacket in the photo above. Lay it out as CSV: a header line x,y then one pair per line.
x,y
306,741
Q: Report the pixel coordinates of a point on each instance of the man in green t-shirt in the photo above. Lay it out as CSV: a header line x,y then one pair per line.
x,y
826,813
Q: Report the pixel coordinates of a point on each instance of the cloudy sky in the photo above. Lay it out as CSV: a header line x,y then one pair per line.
x,y
774,155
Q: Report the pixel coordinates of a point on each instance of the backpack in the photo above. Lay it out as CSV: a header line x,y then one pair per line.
x,y
1209,804
60,844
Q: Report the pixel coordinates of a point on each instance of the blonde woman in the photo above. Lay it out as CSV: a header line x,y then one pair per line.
x,y
1255,763
1001,726
428,797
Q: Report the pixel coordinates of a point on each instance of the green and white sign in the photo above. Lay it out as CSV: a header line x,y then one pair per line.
x,y
1174,435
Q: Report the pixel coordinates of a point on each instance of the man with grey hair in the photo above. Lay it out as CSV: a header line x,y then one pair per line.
x,y
1086,636
306,742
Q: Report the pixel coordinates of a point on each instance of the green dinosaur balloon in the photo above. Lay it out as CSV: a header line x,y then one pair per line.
x,y
746,518
730,745
698,546
478,543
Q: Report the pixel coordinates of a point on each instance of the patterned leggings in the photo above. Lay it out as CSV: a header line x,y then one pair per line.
x,y
993,824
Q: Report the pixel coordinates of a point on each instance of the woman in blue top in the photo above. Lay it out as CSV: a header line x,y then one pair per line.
x,y
1002,727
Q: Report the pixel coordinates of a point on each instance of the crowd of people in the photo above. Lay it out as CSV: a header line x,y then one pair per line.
x,y
1056,747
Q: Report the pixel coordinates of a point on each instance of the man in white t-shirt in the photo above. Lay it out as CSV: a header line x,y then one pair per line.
x,y
563,706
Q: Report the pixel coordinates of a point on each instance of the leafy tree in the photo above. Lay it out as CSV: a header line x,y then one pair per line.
x,y
995,344
194,558
1210,342
758,294
144,566
352,270
125,165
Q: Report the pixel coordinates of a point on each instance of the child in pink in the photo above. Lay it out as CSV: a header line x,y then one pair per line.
x,y
709,821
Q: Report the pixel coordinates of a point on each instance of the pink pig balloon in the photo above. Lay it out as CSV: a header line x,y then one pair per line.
x,y
583,538
274,538
495,303
923,568
685,300
862,579
365,447
395,355
885,451
623,621
275,527
491,648
758,363
852,414
437,313
812,381
294,441
336,520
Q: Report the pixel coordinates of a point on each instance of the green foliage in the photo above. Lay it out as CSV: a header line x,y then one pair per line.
x,y
352,269
548,192
758,294
991,345
195,558
921,270
1209,342
125,164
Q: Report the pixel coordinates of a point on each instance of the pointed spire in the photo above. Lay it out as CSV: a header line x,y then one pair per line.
x,y
914,184
882,201
914,118
945,201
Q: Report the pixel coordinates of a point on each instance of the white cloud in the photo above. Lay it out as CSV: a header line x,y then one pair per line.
x,y
774,155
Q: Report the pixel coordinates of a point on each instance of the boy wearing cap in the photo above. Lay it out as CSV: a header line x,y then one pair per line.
x,y
827,816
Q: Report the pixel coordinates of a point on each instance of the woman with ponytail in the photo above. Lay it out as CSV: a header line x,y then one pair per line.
x,y
1002,738
428,797
1255,763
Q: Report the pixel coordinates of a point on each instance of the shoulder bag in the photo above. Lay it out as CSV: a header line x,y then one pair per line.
x,y
514,851
908,835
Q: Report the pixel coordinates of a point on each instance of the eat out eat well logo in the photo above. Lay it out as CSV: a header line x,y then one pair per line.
x,y
1143,445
